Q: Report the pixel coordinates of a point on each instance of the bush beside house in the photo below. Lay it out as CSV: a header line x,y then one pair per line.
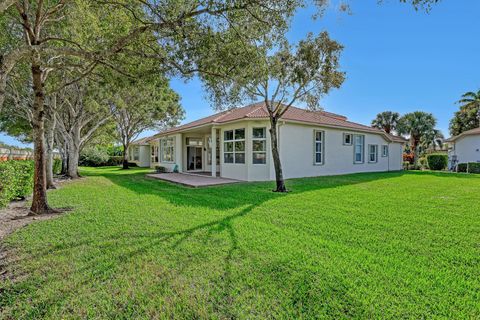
x,y
471,167
437,161
16,180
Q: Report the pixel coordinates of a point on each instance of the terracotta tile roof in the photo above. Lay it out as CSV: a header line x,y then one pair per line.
x,y
259,111
465,133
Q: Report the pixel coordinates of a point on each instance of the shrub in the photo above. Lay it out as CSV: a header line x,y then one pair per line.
x,y
57,166
93,157
437,161
406,165
462,167
474,167
115,161
16,180
160,169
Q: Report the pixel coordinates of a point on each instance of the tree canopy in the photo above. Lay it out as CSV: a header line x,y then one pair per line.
x,y
386,121
468,117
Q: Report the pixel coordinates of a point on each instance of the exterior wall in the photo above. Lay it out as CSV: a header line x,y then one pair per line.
x,y
296,143
467,149
144,155
297,152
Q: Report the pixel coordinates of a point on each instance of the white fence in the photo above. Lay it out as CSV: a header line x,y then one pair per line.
x,y
19,154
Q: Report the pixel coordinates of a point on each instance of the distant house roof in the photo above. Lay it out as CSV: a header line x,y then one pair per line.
x,y
142,141
293,114
465,133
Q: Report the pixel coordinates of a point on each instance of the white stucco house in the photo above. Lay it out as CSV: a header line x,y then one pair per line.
x,y
236,144
465,147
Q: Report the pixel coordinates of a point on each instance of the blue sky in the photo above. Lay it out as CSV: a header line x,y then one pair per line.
x,y
395,59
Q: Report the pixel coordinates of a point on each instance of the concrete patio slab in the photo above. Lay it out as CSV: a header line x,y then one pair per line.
x,y
191,180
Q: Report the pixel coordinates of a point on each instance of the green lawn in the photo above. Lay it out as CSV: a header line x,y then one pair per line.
x,y
386,245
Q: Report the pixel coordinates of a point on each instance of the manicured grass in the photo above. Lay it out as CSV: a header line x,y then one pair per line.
x,y
384,245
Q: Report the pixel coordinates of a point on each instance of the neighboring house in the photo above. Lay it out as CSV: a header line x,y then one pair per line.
x,y
139,153
311,143
465,147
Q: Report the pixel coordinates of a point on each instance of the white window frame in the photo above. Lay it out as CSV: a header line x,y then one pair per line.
x,y
370,153
264,139
166,149
385,150
345,134
322,147
234,141
355,149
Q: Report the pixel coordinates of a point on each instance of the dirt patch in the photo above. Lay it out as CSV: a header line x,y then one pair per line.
x,y
16,216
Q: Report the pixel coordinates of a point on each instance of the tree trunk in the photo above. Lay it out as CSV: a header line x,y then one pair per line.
x,y
73,156
39,201
64,161
414,146
125,157
276,156
50,140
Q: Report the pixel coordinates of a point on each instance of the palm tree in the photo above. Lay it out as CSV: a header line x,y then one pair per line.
x,y
432,139
471,100
417,125
386,121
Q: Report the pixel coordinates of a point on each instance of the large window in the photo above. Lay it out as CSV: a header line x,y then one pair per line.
x,y
372,153
167,150
234,146
319,137
385,151
259,146
359,142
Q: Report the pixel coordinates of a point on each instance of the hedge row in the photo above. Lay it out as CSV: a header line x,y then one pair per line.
x,y
16,180
471,167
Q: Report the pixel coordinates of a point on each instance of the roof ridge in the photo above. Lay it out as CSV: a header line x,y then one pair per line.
x,y
260,106
220,115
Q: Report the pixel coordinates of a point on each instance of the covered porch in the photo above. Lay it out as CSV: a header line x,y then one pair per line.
x,y
195,151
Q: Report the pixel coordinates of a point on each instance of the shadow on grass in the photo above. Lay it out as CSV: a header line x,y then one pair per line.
x,y
242,198
229,196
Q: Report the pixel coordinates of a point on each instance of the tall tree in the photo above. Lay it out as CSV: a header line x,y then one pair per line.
x,y
416,125
289,75
58,35
142,105
81,110
468,117
386,121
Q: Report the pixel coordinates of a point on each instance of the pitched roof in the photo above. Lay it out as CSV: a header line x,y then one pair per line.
x,y
259,111
142,141
465,133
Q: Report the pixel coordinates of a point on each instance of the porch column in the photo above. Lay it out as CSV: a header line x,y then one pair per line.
x,y
214,151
